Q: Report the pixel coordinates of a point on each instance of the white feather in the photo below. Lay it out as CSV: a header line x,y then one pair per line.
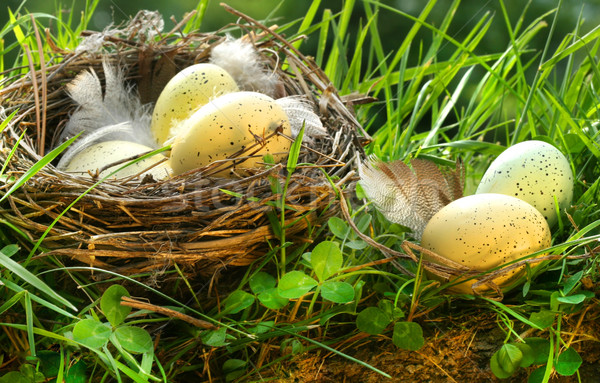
x,y
94,43
242,61
300,112
118,114
147,23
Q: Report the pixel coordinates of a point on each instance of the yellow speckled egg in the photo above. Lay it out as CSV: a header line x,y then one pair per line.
x,y
225,126
187,91
535,172
104,153
483,231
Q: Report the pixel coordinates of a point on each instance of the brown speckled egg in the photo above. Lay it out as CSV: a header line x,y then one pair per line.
x,y
228,124
185,93
104,153
483,231
535,172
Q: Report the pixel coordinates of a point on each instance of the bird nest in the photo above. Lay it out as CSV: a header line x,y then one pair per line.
x,y
196,220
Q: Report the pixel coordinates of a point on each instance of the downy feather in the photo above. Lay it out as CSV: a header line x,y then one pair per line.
x,y
115,115
242,61
300,112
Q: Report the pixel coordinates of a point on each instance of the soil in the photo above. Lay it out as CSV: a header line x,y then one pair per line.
x,y
455,352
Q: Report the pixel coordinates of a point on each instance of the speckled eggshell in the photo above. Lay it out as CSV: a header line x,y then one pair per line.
x,y
535,172
483,231
226,125
187,91
104,153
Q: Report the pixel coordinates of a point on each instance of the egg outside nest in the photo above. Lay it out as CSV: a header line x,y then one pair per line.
x,y
534,171
483,232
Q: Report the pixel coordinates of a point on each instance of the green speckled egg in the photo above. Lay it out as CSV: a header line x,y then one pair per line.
x,y
228,124
185,93
483,231
535,172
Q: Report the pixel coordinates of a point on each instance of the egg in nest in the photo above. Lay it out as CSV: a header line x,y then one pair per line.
x,y
241,122
98,156
184,94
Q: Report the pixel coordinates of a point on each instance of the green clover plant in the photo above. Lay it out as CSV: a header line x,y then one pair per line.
x,y
553,353
127,340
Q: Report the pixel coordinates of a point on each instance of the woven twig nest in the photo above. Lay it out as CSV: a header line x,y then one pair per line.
x,y
135,226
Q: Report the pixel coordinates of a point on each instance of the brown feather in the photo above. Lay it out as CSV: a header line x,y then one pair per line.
x,y
410,196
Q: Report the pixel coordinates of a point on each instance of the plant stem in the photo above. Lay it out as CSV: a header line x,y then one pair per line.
x,y
282,223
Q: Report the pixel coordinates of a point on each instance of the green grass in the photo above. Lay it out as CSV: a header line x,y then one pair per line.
x,y
442,100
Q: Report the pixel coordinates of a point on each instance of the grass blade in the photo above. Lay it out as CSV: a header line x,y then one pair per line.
x,y
20,290
37,167
568,51
29,321
295,151
307,21
12,301
33,280
510,311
